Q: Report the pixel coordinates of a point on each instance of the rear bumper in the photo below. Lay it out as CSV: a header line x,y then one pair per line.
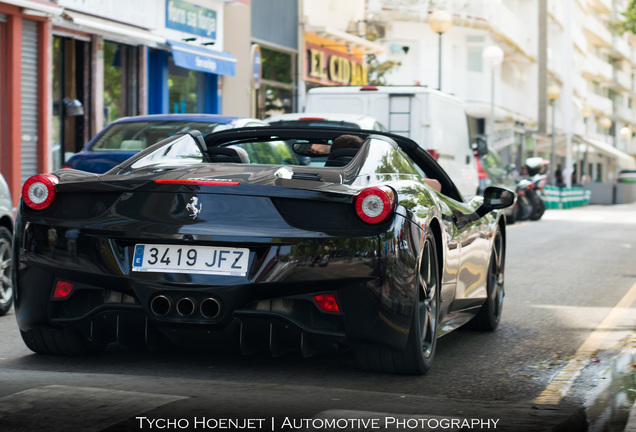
x,y
372,278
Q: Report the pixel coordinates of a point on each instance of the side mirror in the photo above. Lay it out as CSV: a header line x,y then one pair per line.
x,y
496,198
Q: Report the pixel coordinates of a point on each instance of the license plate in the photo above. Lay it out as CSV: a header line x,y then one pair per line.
x,y
191,259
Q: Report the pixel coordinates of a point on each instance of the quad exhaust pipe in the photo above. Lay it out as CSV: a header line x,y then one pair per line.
x,y
210,308
186,307
162,305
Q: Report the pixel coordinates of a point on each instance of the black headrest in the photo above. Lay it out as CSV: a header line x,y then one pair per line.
x,y
340,157
224,154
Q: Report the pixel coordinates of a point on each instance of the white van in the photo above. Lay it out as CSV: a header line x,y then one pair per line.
x,y
352,121
434,120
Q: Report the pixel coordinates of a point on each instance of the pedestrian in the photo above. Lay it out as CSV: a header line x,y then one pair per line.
x,y
558,176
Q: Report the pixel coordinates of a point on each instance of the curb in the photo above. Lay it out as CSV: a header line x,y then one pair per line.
x,y
631,421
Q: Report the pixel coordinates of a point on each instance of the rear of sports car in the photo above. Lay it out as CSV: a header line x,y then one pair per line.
x,y
261,262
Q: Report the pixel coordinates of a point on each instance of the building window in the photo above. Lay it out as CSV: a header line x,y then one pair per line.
x,y
475,47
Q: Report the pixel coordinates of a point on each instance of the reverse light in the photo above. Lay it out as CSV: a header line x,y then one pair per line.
x,y
327,302
197,182
38,192
375,205
63,289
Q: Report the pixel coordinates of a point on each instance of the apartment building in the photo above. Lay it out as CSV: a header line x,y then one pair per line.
x,y
567,48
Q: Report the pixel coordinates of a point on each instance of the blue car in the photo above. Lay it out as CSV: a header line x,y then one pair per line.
x,y
126,136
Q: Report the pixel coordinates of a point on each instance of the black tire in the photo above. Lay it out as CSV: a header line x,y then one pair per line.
x,y
539,208
417,357
512,217
490,313
6,285
65,342
524,208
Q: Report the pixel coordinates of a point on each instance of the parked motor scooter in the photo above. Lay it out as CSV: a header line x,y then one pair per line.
x,y
530,205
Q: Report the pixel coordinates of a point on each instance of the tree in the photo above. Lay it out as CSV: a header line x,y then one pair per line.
x,y
376,69
630,19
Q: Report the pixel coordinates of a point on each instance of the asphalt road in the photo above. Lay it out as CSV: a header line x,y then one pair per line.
x,y
549,366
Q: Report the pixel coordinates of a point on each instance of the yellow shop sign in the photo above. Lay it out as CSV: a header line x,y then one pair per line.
x,y
331,63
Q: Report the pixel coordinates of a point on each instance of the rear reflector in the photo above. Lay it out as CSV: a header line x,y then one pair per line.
x,y
63,289
197,182
375,204
327,303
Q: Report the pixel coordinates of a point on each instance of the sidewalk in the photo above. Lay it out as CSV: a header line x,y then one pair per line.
x,y
631,422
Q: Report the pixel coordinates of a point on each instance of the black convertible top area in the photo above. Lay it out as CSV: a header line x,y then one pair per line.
x,y
324,135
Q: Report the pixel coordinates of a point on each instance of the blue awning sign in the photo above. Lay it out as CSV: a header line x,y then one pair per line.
x,y
203,59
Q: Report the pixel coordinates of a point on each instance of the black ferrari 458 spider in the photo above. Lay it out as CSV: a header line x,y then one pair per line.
x,y
260,238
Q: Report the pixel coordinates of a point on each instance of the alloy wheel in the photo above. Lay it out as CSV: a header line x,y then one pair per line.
x,y
6,286
428,302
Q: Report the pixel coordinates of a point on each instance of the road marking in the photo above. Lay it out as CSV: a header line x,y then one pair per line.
x,y
617,325
77,409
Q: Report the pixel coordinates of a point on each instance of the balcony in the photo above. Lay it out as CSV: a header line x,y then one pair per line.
x,y
620,48
580,42
593,68
511,101
622,82
596,32
600,103
579,85
555,10
601,6
625,114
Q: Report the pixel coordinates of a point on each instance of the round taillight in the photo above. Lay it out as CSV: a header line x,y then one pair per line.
x,y
376,204
38,191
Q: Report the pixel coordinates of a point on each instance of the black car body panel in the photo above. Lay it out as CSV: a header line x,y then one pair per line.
x,y
298,225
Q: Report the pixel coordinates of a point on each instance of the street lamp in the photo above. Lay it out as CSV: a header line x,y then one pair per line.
x,y
553,93
626,133
440,21
606,124
492,56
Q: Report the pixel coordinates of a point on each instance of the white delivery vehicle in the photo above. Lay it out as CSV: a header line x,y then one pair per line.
x,y
352,121
436,121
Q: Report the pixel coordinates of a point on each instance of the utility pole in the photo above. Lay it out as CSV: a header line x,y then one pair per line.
x,y
542,62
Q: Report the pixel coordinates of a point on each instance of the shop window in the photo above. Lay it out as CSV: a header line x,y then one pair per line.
x,y
121,77
276,94
70,98
182,86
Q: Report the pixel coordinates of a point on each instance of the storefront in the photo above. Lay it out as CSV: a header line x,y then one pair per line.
x,y
275,57
98,69
330,62
333,58
185,72
24,59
